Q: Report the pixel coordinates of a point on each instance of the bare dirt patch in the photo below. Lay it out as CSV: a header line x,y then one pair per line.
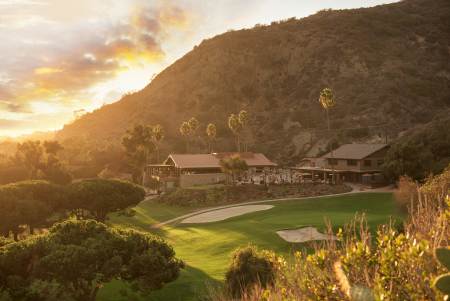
x,y
304,235
223,214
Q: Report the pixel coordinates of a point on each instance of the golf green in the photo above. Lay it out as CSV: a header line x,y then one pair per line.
x,y
206,248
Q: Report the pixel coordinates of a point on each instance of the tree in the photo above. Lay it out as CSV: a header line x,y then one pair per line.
x,y
54,171
236,127
233,166
52,147
185,131
138,144
42,162
76,258
29,203
243,120
30,154
211,132
411,159
102,196
158,136
327,101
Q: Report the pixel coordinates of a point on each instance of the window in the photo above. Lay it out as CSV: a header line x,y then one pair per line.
x,y
332,161
352,162
380,162
367,163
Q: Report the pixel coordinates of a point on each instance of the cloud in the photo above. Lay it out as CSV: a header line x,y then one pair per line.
x,y
13,107
68,61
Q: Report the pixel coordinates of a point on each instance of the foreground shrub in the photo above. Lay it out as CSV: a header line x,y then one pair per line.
x,y
248,268
76,258
406,193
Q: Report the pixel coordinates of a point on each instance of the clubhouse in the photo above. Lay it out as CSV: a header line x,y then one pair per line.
x,y
186,170
358,163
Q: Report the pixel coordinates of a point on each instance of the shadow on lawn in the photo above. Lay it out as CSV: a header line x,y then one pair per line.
x,y
193,284
190,286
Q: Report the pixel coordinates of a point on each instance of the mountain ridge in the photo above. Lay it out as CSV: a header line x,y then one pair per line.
x,y
276,72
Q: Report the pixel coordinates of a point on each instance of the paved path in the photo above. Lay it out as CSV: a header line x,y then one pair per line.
x,y
355,189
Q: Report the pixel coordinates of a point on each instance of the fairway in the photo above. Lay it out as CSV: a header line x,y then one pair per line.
x,y
206,248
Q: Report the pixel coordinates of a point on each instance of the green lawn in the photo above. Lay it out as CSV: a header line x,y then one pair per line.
x,y
149,213
206,248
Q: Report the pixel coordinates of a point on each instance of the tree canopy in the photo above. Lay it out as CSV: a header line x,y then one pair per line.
x,y
102,196
29,203
75,258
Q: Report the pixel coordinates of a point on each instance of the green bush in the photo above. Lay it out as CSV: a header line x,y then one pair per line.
x,y
249,268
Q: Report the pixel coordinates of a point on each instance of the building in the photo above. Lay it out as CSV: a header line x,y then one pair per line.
x,y
360,163
186,170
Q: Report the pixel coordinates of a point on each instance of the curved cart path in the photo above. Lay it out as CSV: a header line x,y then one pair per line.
x,y
355,189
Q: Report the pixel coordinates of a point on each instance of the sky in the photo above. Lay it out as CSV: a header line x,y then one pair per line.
x,y
63,58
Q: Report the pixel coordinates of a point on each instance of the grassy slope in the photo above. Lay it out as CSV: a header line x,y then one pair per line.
x,y
206,248
150,212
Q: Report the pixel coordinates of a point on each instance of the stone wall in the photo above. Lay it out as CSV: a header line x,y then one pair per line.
x,y
201,179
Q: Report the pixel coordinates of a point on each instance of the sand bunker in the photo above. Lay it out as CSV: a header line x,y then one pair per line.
x,y
303,235
222,214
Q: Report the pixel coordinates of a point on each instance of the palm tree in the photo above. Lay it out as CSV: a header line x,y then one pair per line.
x,y
158,136
243,120
211,132
185,131
236,127
194,124
327,101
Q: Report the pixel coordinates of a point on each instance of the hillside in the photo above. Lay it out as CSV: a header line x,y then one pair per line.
x,y
388,65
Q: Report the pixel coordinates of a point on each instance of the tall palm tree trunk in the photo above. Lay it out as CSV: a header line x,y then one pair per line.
x,y
332,151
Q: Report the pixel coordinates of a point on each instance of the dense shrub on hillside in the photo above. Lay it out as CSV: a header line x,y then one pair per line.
x,y
396,265
102,196
75,259
249,267
11,174
204,196
422,151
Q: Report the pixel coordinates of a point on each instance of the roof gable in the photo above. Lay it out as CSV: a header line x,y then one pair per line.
x,y
213,160
355,151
